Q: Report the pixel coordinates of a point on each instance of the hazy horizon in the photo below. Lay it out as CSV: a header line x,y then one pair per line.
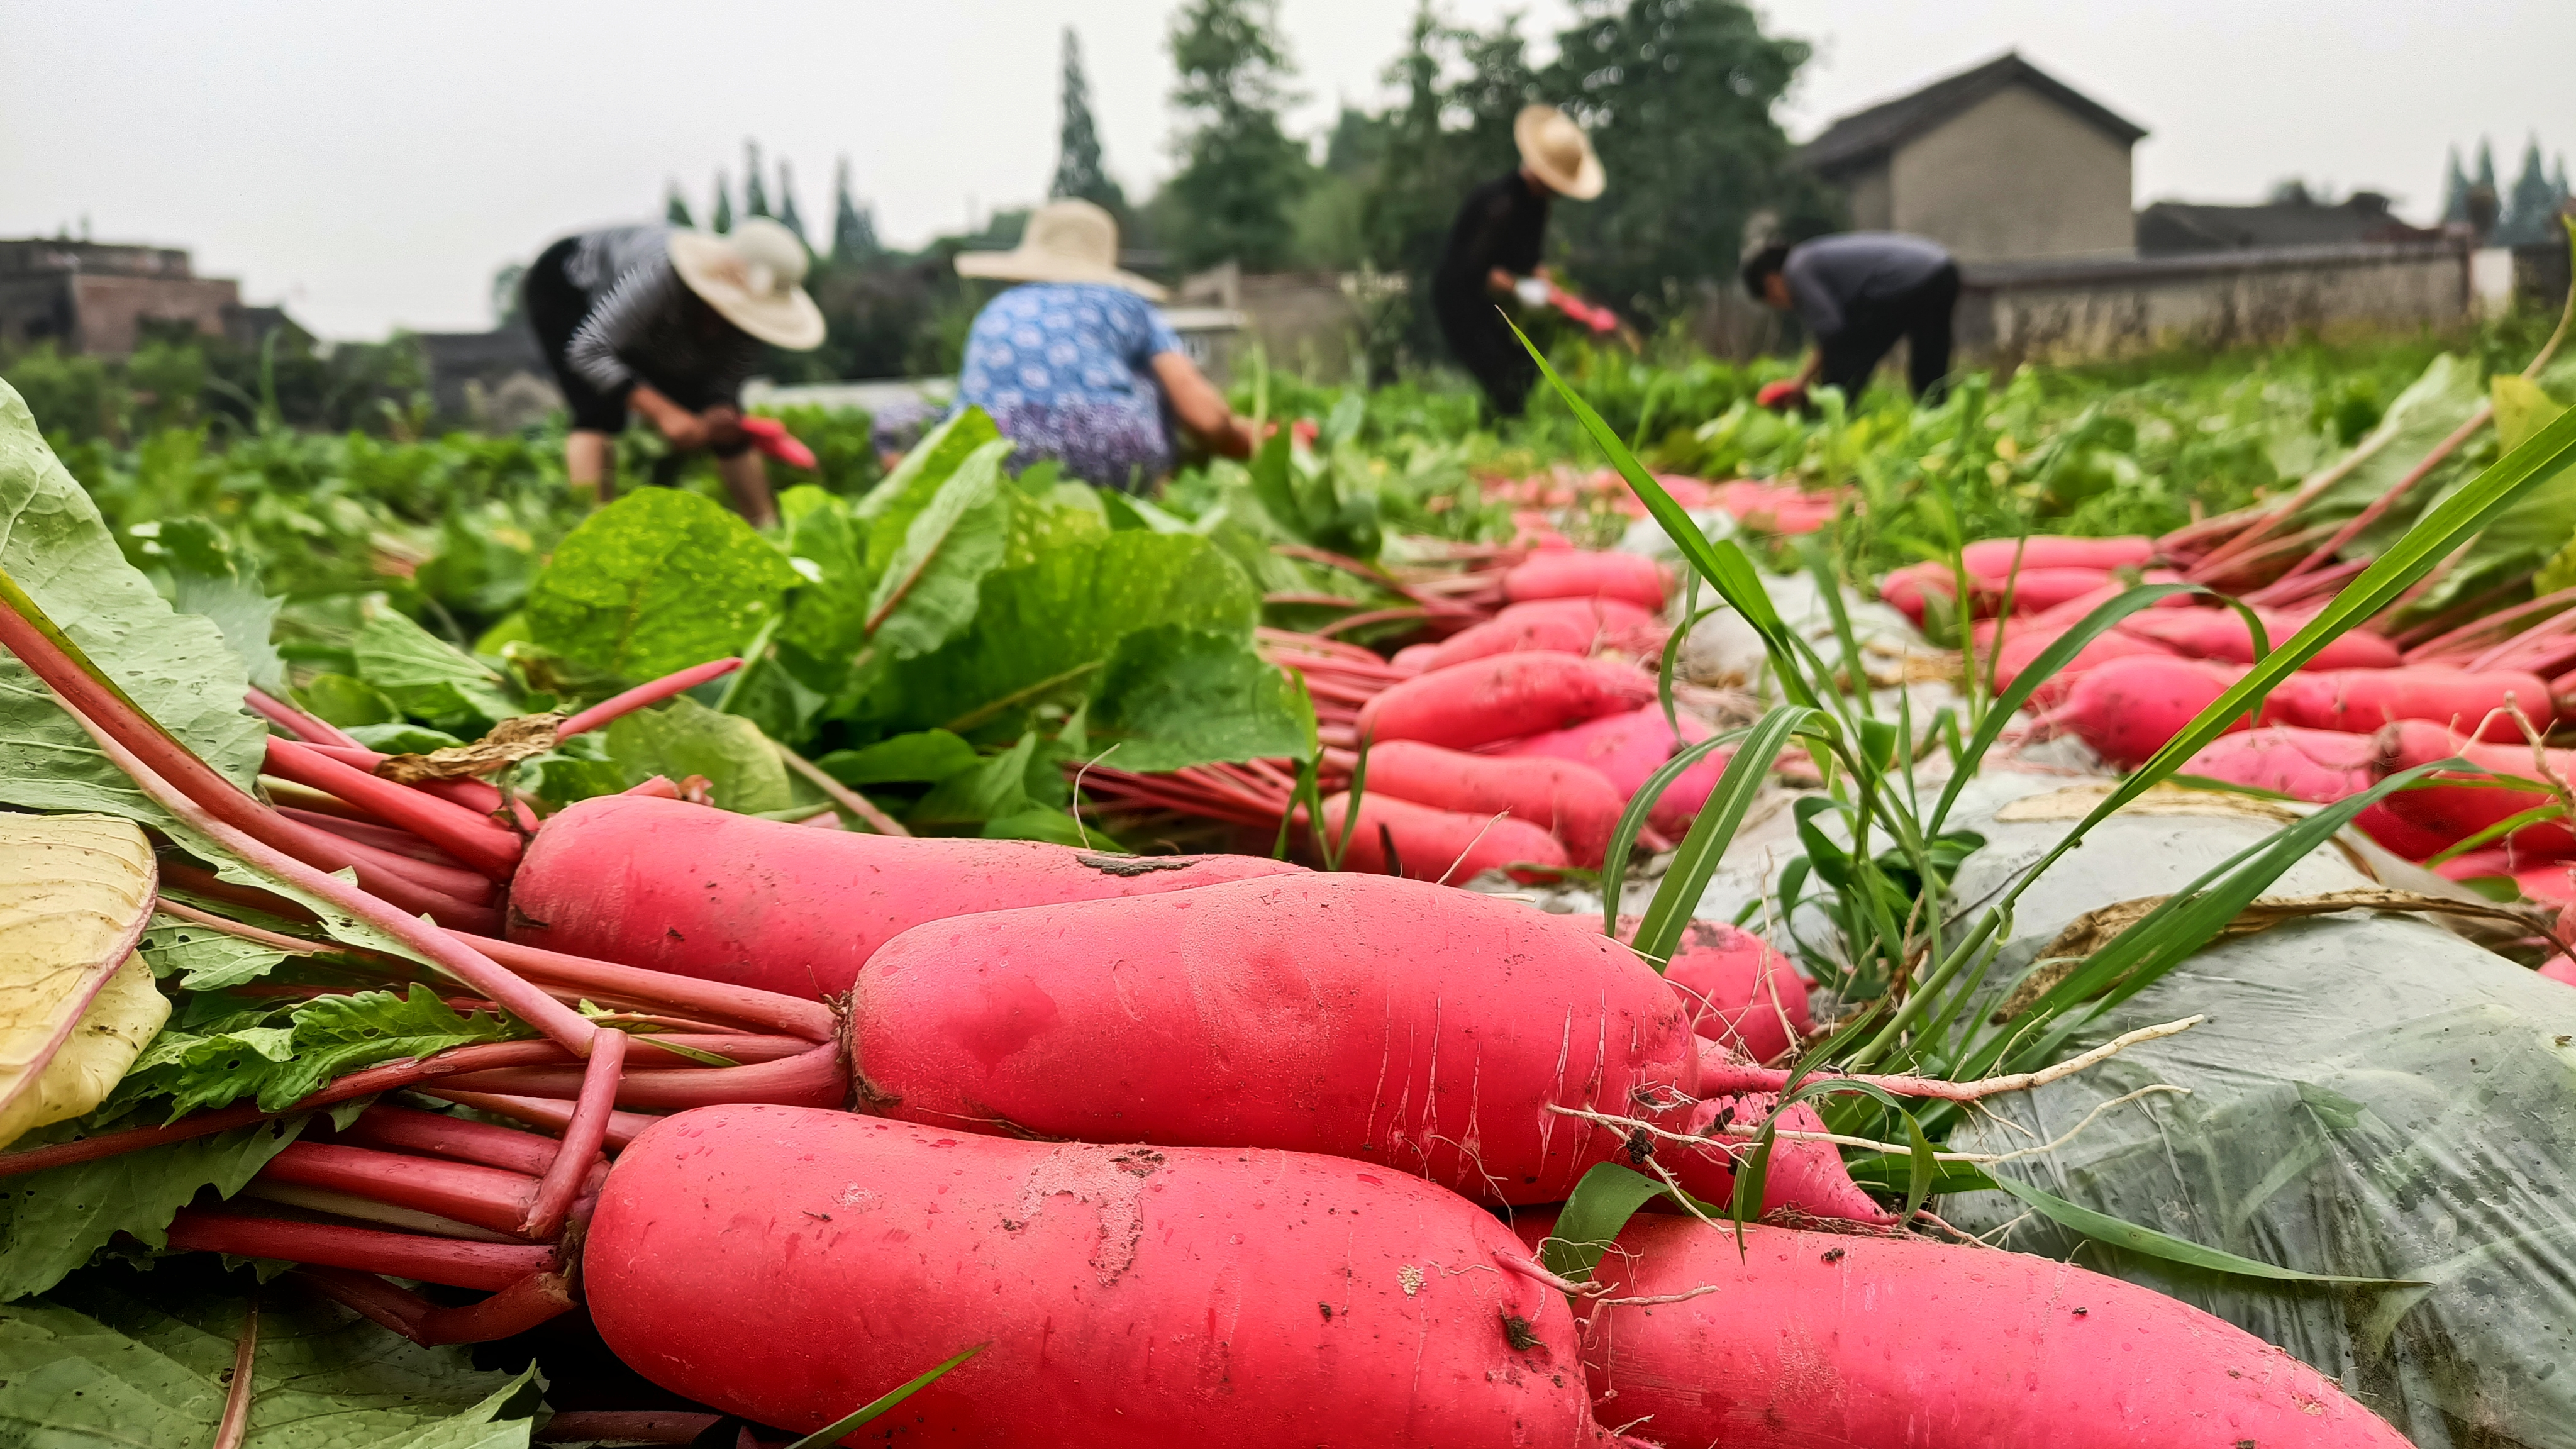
x,y
372,168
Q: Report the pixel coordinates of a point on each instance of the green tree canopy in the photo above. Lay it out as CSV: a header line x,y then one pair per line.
x,y
1080,170
755,191
787,214
675,208
854,227
1241,173
721,219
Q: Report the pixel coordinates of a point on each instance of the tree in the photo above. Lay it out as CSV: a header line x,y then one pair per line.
x,y
722,218
2531,207
854,229
2455,192
1241,173
675,208
755,191
1679,98
1443,140
1079,168
787,216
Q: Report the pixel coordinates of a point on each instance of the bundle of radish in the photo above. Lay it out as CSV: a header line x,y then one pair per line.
x,y
1503,697
2127,708
1628,748
1565,626
2038,573
2222,634
1389,835
2455,812
1582,574
1575,803
1788,1338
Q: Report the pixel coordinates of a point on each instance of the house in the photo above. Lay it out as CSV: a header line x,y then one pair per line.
x,y
2003,162
93,297
2169,228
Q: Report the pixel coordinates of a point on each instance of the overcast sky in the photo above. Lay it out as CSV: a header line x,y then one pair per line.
x,y
370,165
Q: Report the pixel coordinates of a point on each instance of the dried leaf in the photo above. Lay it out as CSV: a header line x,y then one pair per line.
x,y
75,894
510,741
2074,802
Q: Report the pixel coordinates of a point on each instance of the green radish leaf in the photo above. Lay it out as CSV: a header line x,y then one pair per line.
x,y
204,959
831,1434
685,738
176,667
248,618
114,1358
1173,696
52,1221
926,591
337,1035
826,623
921,758
655,582
907,490
2104,1228
1594,1212
426,677
1922,1167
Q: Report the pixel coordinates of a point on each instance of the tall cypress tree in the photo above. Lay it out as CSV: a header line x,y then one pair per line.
x,y
787,216
2455,192
755,191
1079,168
675,209
2531,206
854,230
1241,173
722,218
2486,165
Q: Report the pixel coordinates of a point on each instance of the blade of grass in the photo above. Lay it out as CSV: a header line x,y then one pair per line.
x,y
1696,858
831,1434
2104,1228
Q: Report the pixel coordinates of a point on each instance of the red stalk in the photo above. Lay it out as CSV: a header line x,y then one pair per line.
x,y
632,985
2380,505
287,717
515,1309
478,796
813,1079
626,1426
659,787
486,1197
382,837
554,1116
453,1137
582,1140
476,970
461,833
488,1266
644,694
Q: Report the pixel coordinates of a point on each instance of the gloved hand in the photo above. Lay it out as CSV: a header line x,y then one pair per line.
x,y
1785,392
1531,290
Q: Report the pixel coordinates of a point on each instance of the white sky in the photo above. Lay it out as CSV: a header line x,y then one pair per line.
x,y
371,164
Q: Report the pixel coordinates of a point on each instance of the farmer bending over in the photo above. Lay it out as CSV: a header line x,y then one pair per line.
x,y
669,323
1077,366
1494,252
1858,293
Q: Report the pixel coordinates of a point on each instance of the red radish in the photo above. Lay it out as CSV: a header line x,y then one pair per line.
x,y
1415,658
2022,648
1570,801
1911,587
2457,812
2129,708
1426,1030
1443,846
1628,748
2038,590
2073,611
2398,835
1905,1343
1501,697
2221,634
1995,558
2365,699
2322,766
1511,636
788,1265
1579,573
724,897
1740,992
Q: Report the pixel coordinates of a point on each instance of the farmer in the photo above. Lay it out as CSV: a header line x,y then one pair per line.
x,y
669,323
1077,366
1858,293
1494,252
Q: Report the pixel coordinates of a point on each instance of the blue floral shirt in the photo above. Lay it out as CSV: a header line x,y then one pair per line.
x,y
1066,370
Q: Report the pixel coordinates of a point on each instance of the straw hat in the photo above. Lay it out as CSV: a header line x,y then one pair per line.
x,y
1066,241
1557,152
753,276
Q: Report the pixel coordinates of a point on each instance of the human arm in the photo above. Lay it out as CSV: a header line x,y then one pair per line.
x,y
718,427
1200,407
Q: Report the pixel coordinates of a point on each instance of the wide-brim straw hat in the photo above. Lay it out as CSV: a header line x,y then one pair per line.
x,y
1066,241
754,276
1557,152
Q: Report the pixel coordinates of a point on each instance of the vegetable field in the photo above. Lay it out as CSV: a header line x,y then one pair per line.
x,y
2037,919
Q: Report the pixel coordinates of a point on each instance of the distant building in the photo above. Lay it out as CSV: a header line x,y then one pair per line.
x,y
2000,163
2170,228
92,297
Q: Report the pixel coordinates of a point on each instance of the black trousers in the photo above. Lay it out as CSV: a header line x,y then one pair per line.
x,y
1490,353
1919,316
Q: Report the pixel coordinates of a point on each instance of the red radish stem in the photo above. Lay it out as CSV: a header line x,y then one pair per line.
x,y
815,1078
582,1139
644,694
461,833
557,1021
286,716
626,1426
767,1011
434,1135
382,837
842,795
518,1307
480,796
492,1198
551,1114
488,1266
2484,414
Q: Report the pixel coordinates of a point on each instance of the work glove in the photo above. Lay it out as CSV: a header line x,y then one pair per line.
x,y
1781,394
1531,290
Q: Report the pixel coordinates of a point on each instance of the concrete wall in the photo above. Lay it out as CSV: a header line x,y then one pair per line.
x,y
110,308
2015,175
2082,311
1867,195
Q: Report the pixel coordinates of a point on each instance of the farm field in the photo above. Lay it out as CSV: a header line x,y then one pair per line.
x,y
1684,882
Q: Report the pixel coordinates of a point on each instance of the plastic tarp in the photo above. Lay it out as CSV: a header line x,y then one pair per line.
x,y
2370,1096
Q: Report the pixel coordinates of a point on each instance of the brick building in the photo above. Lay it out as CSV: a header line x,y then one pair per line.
x,y
92,297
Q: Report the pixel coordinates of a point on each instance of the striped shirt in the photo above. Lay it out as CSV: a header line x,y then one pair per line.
x,y
643,324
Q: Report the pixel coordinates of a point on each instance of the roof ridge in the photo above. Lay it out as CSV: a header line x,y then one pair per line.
x,y
1866,134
